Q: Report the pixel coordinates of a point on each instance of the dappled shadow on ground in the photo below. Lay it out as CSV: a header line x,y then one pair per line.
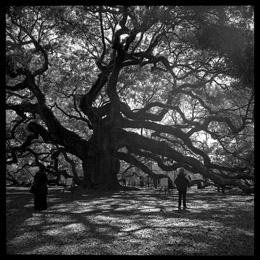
x,y
130,222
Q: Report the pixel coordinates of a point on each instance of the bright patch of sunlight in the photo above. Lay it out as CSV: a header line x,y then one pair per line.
x,y
67,229
203,137
25,237
245,232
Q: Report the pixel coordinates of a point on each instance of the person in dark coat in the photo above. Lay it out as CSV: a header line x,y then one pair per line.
x,y
40,189
182,182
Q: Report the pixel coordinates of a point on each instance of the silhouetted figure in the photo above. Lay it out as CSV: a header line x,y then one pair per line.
x,y
141,181
147,181
40,189
182,182
124,180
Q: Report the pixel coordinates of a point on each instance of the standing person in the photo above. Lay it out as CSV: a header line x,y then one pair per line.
x,y
148,181
141,181
40,189
124,179
182,182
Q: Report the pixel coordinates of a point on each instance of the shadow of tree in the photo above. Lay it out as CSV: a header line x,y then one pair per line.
x,y
136,222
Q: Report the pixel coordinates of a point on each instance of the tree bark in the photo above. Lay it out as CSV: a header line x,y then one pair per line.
x,y
101,172
101,166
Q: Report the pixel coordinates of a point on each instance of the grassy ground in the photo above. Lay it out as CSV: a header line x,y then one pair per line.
x,y
133,223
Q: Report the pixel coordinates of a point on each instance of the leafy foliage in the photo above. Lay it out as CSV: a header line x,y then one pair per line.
x,y
172,82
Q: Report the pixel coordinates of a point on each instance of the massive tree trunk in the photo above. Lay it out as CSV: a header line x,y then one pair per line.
x,y
100,166
101,171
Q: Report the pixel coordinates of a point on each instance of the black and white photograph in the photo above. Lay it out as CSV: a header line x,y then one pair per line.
x,y
129,130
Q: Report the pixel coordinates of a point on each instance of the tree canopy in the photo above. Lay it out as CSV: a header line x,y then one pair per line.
x,y
91,86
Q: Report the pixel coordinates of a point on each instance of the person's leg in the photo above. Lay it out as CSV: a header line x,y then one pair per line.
x,y
179,202
184,199
40,201
36,202
43,202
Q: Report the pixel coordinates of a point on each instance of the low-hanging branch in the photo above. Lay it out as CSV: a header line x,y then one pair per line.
x,y
70,161
135,142
158,160
58,134
166,129
132,160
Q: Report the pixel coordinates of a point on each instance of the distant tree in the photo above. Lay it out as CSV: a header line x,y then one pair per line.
x,y
95,85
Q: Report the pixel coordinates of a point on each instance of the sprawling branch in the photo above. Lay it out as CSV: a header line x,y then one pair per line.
x,y
21,149
87,100
17,87
38,48
72,163
22,108
59,134
135,142
176,132
132,160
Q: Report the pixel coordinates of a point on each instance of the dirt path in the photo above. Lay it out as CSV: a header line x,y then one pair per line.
x,y
133,222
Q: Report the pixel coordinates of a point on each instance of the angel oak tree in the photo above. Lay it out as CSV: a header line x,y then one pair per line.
x,y
98,85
